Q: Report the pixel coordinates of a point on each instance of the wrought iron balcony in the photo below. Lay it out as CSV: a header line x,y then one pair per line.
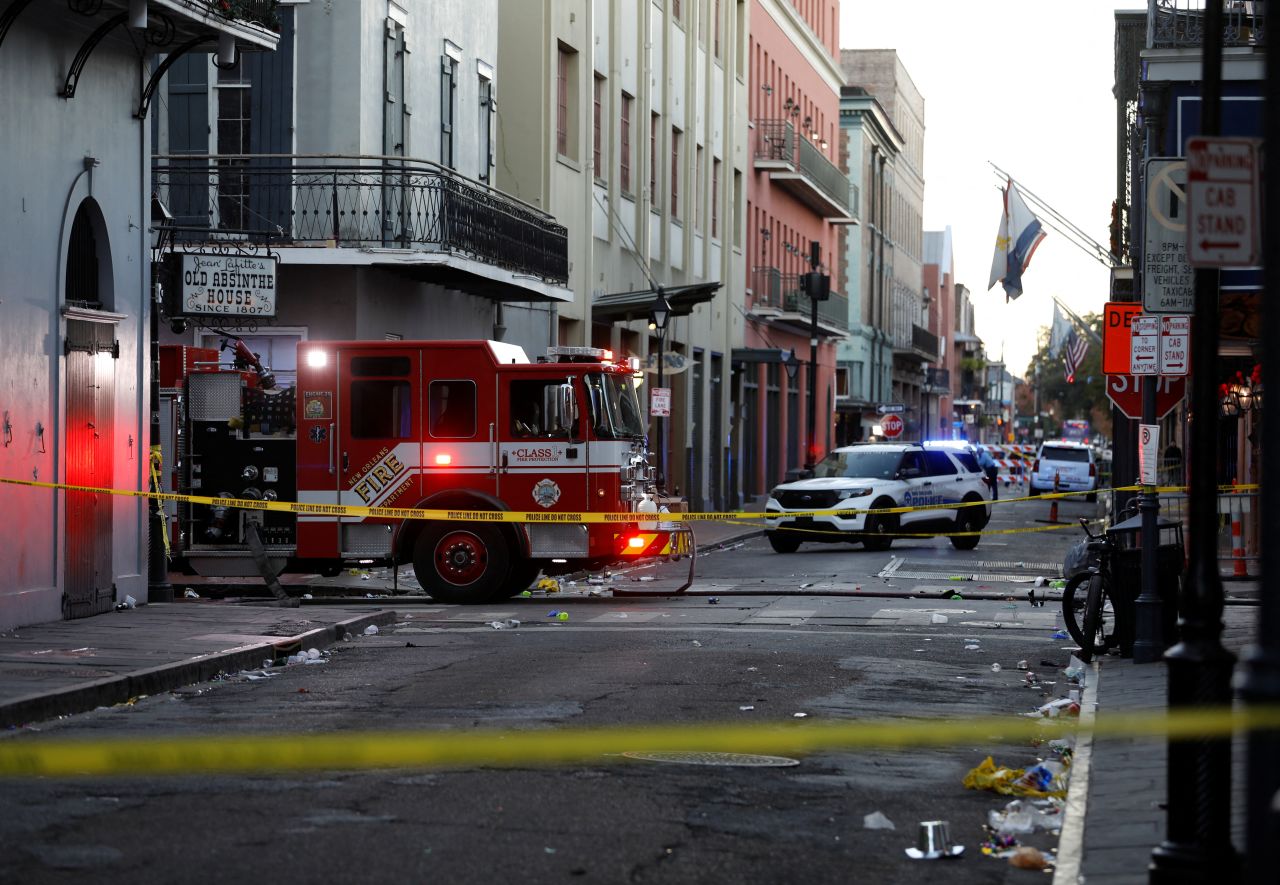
x,y
358,202
258,12
937,380
1179,24
924,342
798,165
778,297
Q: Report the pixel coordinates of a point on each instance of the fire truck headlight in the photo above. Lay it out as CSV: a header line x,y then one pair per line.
x,y
317,359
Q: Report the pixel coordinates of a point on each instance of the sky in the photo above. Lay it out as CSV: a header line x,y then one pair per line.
x,y
1026,85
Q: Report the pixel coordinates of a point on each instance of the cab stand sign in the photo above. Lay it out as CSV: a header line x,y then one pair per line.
x,y
225,285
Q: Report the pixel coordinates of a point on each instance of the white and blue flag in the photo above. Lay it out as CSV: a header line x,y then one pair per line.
x,y
1020,233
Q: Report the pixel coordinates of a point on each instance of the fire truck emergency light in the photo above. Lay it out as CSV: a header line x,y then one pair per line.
x,y
317,359
635,541
444,460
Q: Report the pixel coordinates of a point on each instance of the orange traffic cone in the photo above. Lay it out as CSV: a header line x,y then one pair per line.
x,y
1053,505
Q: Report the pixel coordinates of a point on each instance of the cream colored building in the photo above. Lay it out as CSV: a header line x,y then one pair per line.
x,y
626,121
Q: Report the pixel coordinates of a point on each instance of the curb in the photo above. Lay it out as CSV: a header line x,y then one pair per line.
x,y
166,677
1070,851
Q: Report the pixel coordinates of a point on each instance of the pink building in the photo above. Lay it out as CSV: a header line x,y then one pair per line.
x,y
938,272
796,199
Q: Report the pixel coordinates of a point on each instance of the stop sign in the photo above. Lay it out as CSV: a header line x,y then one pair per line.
x,y
892,426
1126,392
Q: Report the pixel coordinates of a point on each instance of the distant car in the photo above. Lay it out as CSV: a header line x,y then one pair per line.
x,y
1071,462
855,479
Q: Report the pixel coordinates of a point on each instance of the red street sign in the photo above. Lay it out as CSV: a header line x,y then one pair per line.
x,y
1126,392
891,426
1118,315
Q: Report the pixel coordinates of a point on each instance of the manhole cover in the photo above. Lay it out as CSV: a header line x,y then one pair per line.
x,y
692,758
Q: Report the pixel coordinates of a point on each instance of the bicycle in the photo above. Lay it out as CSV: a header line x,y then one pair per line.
x,y
1090,607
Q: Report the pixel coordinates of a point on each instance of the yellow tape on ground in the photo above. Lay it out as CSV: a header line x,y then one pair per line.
x,y
185,755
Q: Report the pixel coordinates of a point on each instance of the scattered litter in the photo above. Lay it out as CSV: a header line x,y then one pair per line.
x,y
595,580
129,602
1042,582
999,846
1025,857
960,578
753,669
956,596
1022,665
526,594
1059,634
307,596
713,600
973,647
799,715
1037,781
995,668
1058,584
508,624
371,630
877,821
937,618
746,707
1056,708
365,577
191,594
595,593
645,578
806,586
697,644
548,585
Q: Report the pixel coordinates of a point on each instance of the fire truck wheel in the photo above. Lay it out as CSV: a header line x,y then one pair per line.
x,y
461,564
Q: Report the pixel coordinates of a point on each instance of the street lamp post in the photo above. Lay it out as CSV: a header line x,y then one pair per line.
x,y
158,587
659,316
818,287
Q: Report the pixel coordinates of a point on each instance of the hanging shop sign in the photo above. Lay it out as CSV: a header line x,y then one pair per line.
x,y
225,285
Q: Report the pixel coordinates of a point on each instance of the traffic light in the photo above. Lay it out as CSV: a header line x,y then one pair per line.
x,y
816,285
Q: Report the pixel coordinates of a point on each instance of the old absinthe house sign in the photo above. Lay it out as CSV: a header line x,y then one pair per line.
x,y
227,285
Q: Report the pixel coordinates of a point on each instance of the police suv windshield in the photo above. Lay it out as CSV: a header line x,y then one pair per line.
x,y
857,464
615,409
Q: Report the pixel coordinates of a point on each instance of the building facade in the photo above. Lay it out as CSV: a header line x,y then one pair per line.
x,y
629,121
75,260
798,201
940,303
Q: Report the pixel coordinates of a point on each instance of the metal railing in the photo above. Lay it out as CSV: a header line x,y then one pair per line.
x,y
937,378
778,140
1179,24
362,202
924,341
773,289
258,12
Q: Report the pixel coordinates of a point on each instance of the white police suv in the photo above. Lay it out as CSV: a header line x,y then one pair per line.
x,y
854,479
1070,463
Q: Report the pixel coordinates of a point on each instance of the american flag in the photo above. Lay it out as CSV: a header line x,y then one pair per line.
x,y
1073,354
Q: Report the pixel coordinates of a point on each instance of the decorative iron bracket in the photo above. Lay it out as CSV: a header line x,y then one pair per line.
x,y
170,60
82,57
10,15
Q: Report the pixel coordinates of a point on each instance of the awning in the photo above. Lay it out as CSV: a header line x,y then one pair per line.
x,y
621,306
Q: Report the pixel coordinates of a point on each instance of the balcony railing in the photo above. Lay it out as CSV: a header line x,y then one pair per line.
x,y
259,12
937,379
359,202
1179,24
773,290
924,342
777,141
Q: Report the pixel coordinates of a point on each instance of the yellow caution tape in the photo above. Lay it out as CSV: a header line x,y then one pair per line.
x,y
185,755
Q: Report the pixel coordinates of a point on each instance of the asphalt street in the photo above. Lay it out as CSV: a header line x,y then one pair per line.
x,y
830,633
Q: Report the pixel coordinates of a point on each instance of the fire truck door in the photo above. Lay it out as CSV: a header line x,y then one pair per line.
x,y
541,465
378,450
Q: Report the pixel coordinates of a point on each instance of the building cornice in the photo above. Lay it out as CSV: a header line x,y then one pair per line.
x,y
801,36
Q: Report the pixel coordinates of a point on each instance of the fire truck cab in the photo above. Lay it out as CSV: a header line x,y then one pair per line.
x,y
462,426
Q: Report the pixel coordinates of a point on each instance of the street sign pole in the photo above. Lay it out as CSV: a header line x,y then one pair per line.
x,y
1197,844
1149,640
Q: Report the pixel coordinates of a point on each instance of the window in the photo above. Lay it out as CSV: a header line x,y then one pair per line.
x,y
675,10
487,108
940,463
381,409
654,123
624,144
737,208
452,405
566,112
533,410
675,172
715,198
715,28
233,138
448,103
696,193
597,168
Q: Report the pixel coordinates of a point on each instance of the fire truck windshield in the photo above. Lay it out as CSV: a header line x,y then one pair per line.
x,y
615,409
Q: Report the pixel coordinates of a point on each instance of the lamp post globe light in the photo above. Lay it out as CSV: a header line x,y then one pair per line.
x,y
659,316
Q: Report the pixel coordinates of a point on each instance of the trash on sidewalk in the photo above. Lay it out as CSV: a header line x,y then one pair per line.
x,y
548,585
1055,708
713,600
1022,665
371,630
190,594
933,842
877,821
996,668
746,707
129,602
508,624
937,618
1026,857
1041,784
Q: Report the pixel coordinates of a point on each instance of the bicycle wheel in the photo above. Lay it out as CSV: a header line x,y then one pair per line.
x,y
1076,610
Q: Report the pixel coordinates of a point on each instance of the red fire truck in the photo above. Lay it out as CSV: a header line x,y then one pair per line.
x,y
438,425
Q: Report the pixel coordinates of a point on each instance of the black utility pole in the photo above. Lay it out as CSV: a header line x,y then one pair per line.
x,y
1197,846
1260,673
818,287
